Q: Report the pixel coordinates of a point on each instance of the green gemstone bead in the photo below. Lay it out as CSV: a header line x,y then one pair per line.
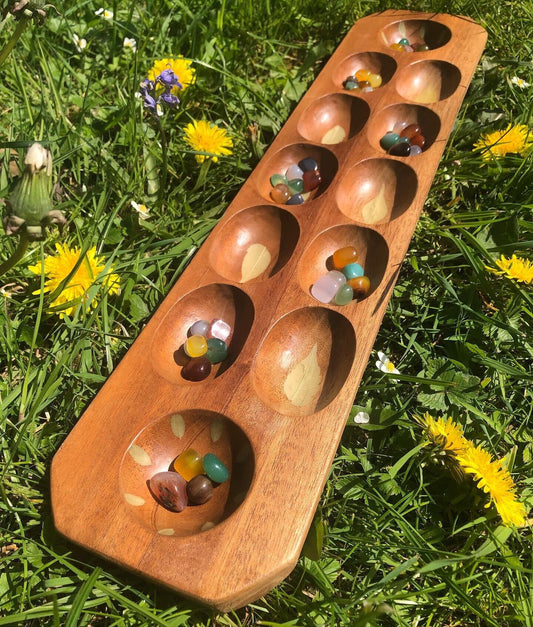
x,y
296,186
276,179
217,350
388,140
404,42
215,469
344,295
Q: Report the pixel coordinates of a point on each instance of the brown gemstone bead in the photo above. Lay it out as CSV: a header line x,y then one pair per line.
x,y
280,194
312,180
199,490
169,489
411,131
196,369
360,286
418,140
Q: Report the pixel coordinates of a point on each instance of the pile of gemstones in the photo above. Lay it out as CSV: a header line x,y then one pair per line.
x,y
346,282
293,187
405,45
205,345
191,481
363,80
403,140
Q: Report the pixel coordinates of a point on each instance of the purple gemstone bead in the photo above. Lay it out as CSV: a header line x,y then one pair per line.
x,y
325,288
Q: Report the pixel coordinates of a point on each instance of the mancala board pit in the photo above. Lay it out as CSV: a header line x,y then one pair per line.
x,y
273,410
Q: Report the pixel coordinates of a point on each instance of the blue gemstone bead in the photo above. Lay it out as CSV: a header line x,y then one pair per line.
x,y
353,270
297,199
308,164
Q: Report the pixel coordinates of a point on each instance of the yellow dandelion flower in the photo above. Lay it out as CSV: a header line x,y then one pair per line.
x,y
76,292
445,433
494,479
513,139
181,68
206,137
514,268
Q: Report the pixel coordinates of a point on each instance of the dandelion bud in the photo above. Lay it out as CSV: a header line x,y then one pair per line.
x,y
30,203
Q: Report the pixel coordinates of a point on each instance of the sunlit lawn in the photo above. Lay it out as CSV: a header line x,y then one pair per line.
x,y
405,543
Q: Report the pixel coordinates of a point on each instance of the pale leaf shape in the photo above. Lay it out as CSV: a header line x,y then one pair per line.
x,y
303,382
139,455
255,262
376,209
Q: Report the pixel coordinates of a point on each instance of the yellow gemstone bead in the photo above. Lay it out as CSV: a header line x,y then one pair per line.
x,y
375,80
396,47
189,464
363,75
195,346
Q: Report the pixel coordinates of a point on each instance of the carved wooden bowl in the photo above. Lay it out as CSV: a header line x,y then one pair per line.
x,y
274,410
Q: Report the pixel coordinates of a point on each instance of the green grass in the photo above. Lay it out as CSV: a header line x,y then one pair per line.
x,y
403,544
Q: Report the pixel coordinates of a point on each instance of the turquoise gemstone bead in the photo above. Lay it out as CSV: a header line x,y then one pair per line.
x,y
296,186
404,42
215,469
353,270
388,140
344,295
277,179
217,350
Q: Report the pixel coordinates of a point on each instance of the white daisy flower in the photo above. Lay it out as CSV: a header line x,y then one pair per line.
x,y
142,210
105,13
385,364
79,42
519,82
130,43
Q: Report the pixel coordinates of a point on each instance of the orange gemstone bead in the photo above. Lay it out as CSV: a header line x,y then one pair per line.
x,y
360,286
363,75
343,256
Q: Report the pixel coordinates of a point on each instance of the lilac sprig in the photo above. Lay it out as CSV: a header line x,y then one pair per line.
x,y
152,95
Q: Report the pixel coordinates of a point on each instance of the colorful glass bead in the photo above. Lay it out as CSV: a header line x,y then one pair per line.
x,y
308,164
352,270
215,469
375,80
363,75
325,288
277,179
311,179
198,328
367,89
199,490
169,489
421,47
296,186
408,49
188,464
417,140
280,194
196,369
364,84
343,256
344,295
415,150
217,350
296,199
219,329
400,149
388,140
396,47
294,172
404,42
195,346
360,286
411,130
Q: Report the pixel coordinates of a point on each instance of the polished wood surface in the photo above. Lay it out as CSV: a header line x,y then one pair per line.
x,y
275,409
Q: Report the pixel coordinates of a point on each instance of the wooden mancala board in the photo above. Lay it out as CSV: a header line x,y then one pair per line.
x,y
274,410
